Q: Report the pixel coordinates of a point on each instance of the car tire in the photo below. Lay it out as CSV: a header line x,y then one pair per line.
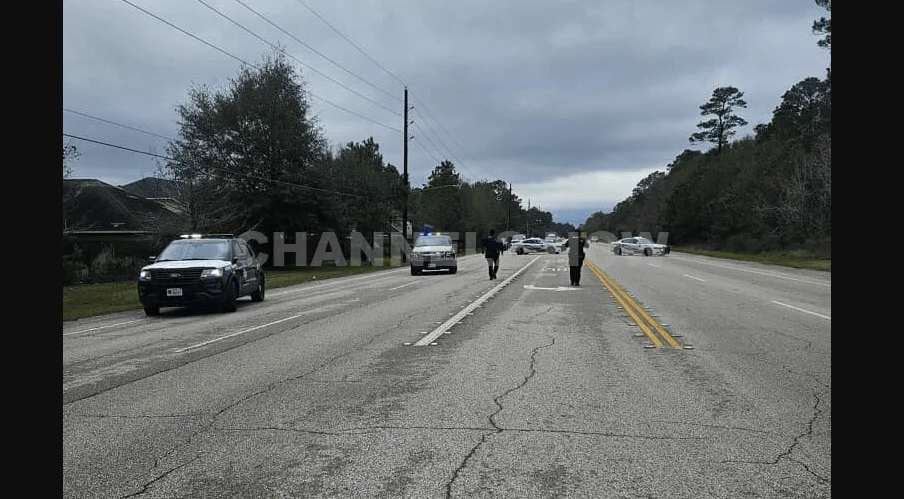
x,y
519,251
415,271
453,270
647,252
232,293
258,294
152,311
617,251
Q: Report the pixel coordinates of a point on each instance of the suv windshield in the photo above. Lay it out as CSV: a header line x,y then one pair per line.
x,y
195,250
433,241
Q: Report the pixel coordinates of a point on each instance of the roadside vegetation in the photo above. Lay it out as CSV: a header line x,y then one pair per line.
x,y
120,295
799,259
284,176
765,197
88,300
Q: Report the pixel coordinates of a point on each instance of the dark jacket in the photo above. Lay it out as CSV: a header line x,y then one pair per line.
x,y
581,243
492,247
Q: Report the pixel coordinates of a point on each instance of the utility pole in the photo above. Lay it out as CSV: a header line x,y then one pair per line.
x,y
508,210
405,187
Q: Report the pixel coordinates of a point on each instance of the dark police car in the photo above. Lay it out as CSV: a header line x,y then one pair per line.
x,y
201,270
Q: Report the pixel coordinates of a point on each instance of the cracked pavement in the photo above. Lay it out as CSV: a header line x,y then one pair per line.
x,y
536,394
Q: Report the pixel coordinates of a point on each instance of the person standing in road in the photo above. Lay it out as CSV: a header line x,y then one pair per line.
x,y
491,250
576,245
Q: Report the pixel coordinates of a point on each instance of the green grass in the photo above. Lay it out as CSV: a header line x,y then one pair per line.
x,y
794,259
88,300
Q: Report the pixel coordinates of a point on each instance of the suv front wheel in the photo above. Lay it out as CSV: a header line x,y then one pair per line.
x,y
232,293
258,294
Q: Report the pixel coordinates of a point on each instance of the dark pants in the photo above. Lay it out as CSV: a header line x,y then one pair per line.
x,y
493,265
575,272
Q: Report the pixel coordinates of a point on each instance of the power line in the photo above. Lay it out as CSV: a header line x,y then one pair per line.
x,y
414,97
361,50
353,44
205,42
394,129
451,154
275,47
152,133
426,151
104,120
440,151
464,174
312,49
218,168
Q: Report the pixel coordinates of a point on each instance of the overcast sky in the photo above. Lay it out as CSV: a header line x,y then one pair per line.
x,y
571,101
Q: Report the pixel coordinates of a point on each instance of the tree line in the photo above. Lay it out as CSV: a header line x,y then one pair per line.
x,y
252,157
769,191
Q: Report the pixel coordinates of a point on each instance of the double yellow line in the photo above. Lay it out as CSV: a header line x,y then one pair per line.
x,y
640,316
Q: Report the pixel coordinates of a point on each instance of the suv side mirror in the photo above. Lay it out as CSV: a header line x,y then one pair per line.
x,y
152,259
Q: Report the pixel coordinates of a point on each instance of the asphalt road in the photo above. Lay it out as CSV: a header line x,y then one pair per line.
x,y
391,385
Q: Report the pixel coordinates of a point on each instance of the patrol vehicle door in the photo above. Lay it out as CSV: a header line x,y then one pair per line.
x,y
245,268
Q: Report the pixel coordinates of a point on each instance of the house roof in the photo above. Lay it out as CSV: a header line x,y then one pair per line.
x,y
151,187
90,204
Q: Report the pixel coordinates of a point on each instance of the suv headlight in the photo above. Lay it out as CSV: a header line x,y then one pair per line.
x,y
212,273
144,275
448,254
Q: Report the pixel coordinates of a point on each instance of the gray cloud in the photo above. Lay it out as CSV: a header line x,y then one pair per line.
x,y
526,91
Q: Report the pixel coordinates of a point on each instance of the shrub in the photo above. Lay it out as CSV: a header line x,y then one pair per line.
x,y
107,267
74,271
821,247
743,243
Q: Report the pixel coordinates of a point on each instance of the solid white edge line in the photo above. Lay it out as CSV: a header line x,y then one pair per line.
x,y
230,335
339,281
754,272
102,327
692,277
335,281
801,310
436,333
403,285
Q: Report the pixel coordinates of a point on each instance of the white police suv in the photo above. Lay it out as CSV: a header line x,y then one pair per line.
x,y
433,251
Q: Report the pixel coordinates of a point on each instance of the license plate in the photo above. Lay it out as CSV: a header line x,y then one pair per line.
x,y
431,265
173,291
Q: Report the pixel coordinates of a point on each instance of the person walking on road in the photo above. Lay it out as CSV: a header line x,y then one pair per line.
x,y
491,250
576,245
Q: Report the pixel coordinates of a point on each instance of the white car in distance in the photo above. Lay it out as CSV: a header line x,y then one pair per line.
x,y
639,246
533,245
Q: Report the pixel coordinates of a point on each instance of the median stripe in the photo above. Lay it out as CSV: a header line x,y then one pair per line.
x,y
436,333
102,327
255,328
640,316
